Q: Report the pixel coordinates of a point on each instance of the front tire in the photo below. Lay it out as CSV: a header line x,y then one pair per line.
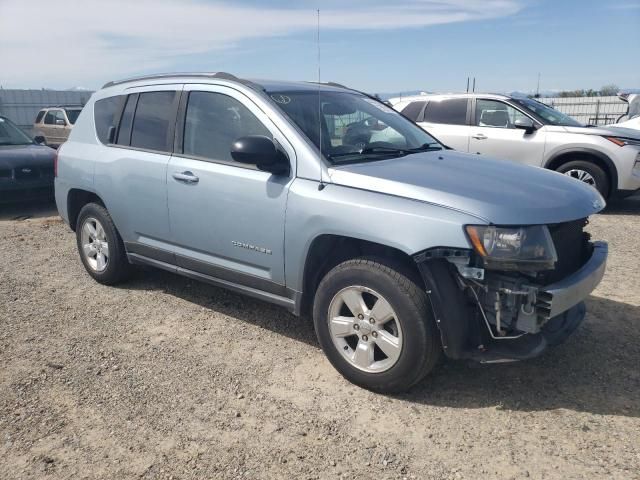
x,y
374,323
100,247
589,173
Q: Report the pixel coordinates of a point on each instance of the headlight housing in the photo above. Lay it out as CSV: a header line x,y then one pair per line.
x,y
623,142
513,248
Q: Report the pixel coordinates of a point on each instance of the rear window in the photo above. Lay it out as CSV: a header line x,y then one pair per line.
x,y
39,117
413,111
107,114
451,111
72,114
152,121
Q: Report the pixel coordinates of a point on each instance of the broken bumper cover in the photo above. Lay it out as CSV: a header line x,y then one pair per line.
x,y
562,306
561,296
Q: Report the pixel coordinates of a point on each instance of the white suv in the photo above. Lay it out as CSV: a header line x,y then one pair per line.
x,y
527,131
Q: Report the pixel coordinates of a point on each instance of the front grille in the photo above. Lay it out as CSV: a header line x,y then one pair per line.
x,y
572,246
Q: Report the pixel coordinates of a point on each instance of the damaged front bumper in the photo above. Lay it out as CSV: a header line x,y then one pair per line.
x,y
499,318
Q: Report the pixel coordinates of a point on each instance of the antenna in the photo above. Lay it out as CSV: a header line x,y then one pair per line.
x,y
321,185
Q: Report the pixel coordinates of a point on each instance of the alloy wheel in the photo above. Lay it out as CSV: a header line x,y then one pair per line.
x,y
365,329
581,175
95,246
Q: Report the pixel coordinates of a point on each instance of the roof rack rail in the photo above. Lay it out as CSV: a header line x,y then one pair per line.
x,y
159,76
339,85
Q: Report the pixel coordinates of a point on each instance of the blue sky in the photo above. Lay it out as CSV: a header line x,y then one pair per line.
x,y
372,45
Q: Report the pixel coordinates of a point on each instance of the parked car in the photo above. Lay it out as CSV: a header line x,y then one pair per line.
x,y
527,131
53,124
26,168
632,118
400,249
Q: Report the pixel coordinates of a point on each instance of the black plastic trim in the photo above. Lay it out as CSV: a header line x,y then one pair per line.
x,y
151,252
210,273
233,276
290,303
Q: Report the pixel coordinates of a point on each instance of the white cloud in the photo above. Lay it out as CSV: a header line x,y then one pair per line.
x,y
72,42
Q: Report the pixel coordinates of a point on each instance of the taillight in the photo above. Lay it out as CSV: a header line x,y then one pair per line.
x,y
55,164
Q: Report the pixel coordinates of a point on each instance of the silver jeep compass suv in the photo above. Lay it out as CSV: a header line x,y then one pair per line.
x,y
326,201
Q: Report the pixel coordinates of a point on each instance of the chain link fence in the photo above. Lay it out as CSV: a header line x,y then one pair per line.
x,y
589,110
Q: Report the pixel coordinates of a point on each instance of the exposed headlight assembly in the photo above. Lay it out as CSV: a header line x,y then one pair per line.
x,y
513,248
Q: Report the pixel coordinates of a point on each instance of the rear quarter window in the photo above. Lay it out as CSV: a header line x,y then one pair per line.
x,y
414,110
39,116
452,111
107,114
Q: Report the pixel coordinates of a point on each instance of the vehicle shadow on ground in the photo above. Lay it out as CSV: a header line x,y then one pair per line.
x,y
597,370
25,210
623,206
220,300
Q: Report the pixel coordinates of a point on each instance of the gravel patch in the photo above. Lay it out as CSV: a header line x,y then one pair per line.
x,y
164,377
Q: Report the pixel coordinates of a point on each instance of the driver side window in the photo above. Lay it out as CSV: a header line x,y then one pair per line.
x,y
496,114
213,122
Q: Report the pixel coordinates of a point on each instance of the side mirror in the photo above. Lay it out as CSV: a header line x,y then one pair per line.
x,y
60,122
262,152
39,139
526,124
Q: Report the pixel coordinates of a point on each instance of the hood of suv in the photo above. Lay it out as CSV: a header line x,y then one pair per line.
x,y
496,191
607,131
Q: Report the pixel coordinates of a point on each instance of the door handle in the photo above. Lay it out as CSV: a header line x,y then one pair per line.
x,y
186,177
479,136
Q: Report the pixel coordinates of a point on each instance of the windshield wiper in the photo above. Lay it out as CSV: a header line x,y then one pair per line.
x,y
389,150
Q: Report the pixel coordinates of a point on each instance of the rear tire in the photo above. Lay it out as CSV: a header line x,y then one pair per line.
x,y
100,246
387,354
587,172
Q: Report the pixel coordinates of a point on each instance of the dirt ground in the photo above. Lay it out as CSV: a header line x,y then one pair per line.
x,y
166,378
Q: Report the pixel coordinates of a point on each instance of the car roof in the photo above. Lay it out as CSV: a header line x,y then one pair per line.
x,y
440,96
206,77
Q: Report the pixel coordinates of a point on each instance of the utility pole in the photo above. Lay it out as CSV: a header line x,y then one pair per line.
x,y
538,87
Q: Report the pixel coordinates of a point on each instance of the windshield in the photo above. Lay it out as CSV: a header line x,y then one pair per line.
x,y
547,114
72,115
353,127
10,134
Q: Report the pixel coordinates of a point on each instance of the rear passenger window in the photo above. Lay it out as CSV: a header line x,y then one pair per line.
x,y
50,118
106,114
452,111
213,122
413,111
39,117
153,119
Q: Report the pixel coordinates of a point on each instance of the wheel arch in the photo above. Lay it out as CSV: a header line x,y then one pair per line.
x,y
78,198
328,250
588,154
